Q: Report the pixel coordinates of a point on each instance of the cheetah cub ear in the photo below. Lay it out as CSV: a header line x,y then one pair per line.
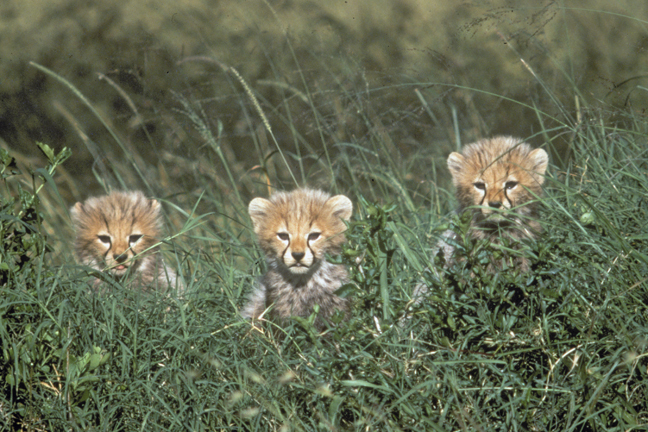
x,y
259,209
456,163
76,211
340,206
540,161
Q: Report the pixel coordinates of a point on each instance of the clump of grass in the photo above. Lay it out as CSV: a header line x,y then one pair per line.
x,y
560,347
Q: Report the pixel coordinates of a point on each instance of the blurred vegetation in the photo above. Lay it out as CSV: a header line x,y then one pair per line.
x,y
420,76
205,104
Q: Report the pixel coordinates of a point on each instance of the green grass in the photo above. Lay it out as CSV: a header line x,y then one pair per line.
x,y
563,347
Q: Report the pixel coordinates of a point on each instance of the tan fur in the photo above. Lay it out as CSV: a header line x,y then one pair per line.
x,y
111,232
497,180
295,230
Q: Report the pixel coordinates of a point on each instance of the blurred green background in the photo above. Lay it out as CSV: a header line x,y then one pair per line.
x,y
465,58
235,97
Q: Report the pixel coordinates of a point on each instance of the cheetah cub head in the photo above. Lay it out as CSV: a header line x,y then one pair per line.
x,y
297,229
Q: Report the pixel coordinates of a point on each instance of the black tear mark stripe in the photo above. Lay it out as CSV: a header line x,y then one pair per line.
x,y
283,254
507,198
108,251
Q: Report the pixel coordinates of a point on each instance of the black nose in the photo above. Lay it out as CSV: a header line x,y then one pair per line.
x,y
298,255
495,204
121,258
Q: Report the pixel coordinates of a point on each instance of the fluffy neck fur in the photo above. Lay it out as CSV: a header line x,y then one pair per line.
x,y
297,294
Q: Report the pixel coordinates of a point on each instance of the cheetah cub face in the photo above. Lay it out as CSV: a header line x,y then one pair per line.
x,y
111,230
296,230
498,179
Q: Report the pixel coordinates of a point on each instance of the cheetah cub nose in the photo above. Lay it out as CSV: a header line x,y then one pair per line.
x,y
121,258
298,255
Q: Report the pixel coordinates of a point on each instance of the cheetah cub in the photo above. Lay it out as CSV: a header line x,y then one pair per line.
x,y
111,233
295,230
497,181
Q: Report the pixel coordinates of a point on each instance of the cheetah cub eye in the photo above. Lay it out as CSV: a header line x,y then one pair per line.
x,y
134,238
480,186
510,185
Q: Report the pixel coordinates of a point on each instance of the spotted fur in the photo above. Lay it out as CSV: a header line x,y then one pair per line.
x,y
498,180
296,230
118,234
